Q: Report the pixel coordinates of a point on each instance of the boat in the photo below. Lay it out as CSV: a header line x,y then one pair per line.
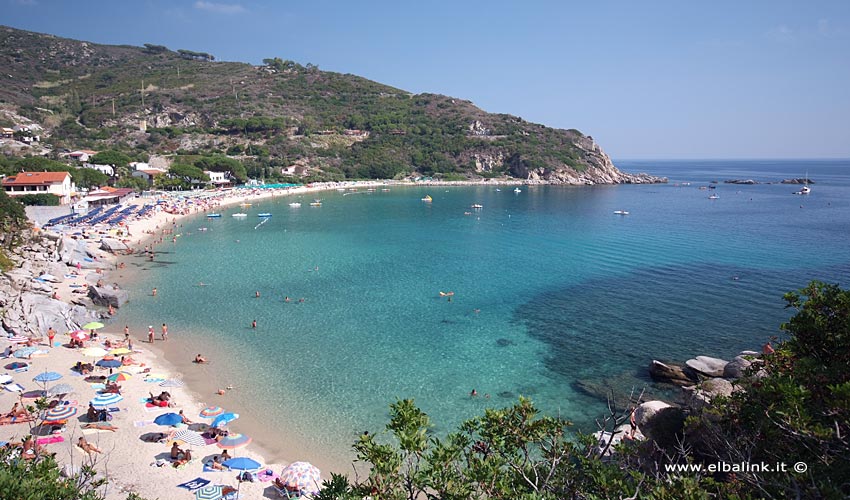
x,y
240,214
244,204
805,189
621,212
713,197
385,190
517,190
213,216
316,203
427,198
295,204
264,214
498,190
476,206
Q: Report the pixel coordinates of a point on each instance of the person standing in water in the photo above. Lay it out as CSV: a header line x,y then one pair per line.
x,y
150,334
254,324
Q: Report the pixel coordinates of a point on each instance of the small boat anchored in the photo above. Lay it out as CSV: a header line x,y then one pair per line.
x,y
213,216
427,198
621,212
295,204
714,197
316,203
264,214
517,190
477,206
240,214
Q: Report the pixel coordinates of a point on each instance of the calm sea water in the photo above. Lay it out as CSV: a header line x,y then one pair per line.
x,y
555,297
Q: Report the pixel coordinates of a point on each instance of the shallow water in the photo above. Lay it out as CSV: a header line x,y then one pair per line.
x,y
554,295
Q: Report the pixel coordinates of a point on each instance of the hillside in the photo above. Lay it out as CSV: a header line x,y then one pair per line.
x,y
153,101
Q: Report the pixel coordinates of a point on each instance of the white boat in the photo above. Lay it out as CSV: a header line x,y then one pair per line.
x,y
713,197
317,203
517,190
240,214
427,198
213,216
621,212
264,214
477,206
295,205
805,189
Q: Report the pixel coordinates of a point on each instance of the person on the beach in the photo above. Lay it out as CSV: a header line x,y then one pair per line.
x,y
184,418
186,458
150,334
175,451
51,334
225,456
88,447
632,423
200,359
126,333
164,332
767,349
216,463
111,310
154,292
254,324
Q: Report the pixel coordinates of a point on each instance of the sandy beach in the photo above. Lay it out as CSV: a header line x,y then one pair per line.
x,y
127,460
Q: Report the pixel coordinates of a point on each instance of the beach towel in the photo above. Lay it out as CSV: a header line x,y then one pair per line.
x,y
14,387
266,476
207,468
49,440
194,484
142,423
98,387
154,379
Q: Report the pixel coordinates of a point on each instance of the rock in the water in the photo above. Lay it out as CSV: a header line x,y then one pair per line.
x,y
108,295
660,422
702,395
113,245
705,365
672,374
736,367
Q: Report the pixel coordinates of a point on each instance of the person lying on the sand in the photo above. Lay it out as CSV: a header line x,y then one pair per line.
x,y
216,464
186,458
17,411
88,447
102,426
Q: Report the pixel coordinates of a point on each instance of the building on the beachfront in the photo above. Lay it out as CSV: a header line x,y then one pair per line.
x,y
104,169
55,183
148,174
218,178
109,196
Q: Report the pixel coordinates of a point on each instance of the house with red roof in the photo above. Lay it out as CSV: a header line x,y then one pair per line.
x,y
55,183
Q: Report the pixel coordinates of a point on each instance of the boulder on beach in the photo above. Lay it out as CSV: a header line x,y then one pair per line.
x,y
669,373
737,367
108,296
707,366
112,245
660,422
701,395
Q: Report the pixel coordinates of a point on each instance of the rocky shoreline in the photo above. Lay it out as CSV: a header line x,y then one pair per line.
x,y
29,302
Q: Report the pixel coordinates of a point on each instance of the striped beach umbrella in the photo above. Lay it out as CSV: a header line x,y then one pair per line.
x,y
172,382
60,389
60,413
119,377
17,339
233,441
191,438
46,377
209,492
120,351
104,400
211,411
93,352
79,335
302,476
25,352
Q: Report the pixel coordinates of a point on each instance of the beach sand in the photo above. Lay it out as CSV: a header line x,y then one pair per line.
x,y
128,461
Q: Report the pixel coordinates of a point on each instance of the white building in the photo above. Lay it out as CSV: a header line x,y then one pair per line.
x,y
56,183
217,178
105,169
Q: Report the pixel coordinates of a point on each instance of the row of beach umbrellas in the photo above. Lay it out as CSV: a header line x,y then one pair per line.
x,y
297,476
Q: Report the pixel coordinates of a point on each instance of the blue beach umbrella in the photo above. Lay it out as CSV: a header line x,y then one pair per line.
x,y
242,463
109,363
168,419
103,400
224,418
46,377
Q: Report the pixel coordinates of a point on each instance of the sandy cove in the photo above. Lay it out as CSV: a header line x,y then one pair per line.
x,y
126,459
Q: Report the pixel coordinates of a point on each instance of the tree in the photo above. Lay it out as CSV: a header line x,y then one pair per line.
x,y
13,219
88,177
219,163
188,173
115,158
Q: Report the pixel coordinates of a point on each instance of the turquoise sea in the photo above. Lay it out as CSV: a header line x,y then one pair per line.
x,y
555,296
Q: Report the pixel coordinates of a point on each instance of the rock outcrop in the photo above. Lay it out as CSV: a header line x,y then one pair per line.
x,y
108,296
669,373
737,367
113,246
660,422
707,366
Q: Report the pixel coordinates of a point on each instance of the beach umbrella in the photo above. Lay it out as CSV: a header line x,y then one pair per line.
x,y
103,400
119,377
191,438
233,441
209,492
47,377
60,389
242,463
172,382
168,419
80,335
120,351
211,411
302,476
5,379
94,325
224,418
109,363
93,352
17,365
25,352
60,413
17,339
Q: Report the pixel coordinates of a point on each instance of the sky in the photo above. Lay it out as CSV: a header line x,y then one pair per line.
x,y
647,79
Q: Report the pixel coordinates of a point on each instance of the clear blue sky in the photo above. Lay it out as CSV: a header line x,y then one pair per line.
x,y
648,79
